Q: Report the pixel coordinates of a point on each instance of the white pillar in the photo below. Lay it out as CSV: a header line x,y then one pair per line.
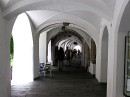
x,y
43,47
104,61
49,55
120,65
36,57
5,87
98,62
111,65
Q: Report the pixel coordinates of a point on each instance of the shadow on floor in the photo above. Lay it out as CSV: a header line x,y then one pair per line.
x,y
71,82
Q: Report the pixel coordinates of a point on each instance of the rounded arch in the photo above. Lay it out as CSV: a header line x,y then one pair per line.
x,y
104,55
74,21
45,15
79,32
49,25
45,30
121,30
63,38
105,33
99,8
23,50
56,27
69,40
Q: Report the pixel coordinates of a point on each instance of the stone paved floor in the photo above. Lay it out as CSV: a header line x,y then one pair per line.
x,y
71,82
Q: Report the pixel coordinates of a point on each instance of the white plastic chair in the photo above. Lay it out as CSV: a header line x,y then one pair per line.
x,y
47,69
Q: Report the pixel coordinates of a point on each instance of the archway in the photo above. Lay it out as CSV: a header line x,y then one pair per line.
x,y
23,51
71,39
104,55
121,59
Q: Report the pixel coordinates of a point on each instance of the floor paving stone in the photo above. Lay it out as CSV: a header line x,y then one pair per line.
x,y
71,82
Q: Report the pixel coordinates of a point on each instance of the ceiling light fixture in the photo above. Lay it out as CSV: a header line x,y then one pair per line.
x,y
65,30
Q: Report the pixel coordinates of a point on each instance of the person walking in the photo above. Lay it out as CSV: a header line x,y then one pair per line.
x,y
61,56
67,55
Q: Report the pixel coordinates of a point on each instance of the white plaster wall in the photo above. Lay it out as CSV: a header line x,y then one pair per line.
x,y
5,88
36,57
111,58
112,81
111,88
120,64
49,52
104,62
83,55
53,32
128,85
74,20
92,68
42,47
98,62
87,55
99,68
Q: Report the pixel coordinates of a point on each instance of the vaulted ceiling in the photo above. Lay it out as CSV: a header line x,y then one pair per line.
x,y
86,13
